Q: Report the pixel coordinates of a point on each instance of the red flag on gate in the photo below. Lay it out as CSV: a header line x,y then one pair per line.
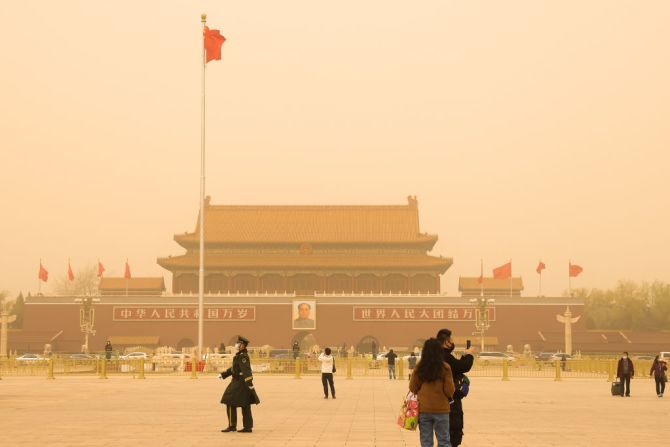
x,y
503,272
70,274
43,274
212,41
540,267
574,270
126,274
101,269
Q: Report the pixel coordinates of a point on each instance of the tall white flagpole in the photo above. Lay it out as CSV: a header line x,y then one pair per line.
x,y
201,270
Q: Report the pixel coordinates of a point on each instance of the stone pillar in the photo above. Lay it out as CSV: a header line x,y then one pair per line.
x,y
5,319
567,319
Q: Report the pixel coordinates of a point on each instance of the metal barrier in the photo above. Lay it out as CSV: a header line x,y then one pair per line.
x,y
348,367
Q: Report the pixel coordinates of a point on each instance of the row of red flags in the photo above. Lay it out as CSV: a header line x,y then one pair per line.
x,y
43,274
505,270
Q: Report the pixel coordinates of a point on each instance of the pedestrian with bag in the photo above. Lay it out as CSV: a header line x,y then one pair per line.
x,y
433,383
625,371
458,369
240,392
658,369
327,370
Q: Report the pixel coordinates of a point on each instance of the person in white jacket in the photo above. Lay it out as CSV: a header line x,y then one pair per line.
x,y
327,369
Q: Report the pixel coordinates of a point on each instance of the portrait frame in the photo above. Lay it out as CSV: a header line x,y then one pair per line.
x,y
306,324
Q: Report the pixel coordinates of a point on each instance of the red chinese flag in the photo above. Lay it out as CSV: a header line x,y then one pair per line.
x,y
70,274
213,41
574,270
101,269
43,275
126,274
540,267
503,272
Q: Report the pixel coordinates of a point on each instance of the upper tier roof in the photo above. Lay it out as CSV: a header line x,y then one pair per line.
x,y
339,224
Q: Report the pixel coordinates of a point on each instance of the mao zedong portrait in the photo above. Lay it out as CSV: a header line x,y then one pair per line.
x,y
304,320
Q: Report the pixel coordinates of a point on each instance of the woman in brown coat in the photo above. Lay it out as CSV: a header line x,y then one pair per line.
x,y
433,382
658,369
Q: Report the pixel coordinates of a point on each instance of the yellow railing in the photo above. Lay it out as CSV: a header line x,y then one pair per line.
x,y
349,368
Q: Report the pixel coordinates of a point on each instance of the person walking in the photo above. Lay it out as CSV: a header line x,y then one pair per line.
x,y
433,383
108,350
296,350
658,369
458,368
625,371
390,357
327,370
240,392
411,364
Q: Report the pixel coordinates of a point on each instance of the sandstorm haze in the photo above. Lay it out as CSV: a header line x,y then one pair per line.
x,y
526,129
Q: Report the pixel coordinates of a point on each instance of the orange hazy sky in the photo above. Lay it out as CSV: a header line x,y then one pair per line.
x,y
527,129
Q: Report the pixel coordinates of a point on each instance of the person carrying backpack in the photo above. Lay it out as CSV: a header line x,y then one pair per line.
x,y
458,368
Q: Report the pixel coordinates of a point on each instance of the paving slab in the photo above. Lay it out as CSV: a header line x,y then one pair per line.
x,y
179,411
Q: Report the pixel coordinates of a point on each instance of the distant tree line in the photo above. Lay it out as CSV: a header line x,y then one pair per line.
x,y
628,306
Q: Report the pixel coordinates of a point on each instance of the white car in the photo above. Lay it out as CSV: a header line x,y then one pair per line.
x,y
493,357
260,367
30,358
134,356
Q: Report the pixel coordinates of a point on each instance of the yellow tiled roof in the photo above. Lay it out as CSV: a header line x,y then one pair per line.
x,y
307,261
311,224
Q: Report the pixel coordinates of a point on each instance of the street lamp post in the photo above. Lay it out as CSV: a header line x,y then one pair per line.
x,y
482,322
86,317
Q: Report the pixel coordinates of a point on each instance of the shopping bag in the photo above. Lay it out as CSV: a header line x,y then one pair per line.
x,y
409,412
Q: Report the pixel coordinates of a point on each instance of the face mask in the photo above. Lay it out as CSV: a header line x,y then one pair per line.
x,y
237,346
624,356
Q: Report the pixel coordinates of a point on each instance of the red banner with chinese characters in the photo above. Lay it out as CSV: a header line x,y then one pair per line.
x,y
430,313
183,313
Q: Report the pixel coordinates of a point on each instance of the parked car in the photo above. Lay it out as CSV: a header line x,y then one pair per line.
x,y
560,356
134,356
30,358
665,355
494,357
643,357
543,356
260,367
82,356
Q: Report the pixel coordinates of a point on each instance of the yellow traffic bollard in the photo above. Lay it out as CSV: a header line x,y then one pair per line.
x,y
558,371
103,369
298,368
194,368
366,366
141,369
610,375
50,370
401,369
349,368
505,371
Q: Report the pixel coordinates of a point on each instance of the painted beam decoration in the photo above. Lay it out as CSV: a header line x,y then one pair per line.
x,y
183,313
427,313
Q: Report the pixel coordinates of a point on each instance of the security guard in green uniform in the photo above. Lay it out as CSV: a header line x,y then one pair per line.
x,y
240,392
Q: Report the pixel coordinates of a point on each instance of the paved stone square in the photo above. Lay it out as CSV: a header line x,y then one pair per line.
x,y
178,411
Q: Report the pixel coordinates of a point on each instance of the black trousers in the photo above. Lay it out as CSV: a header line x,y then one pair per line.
x,y
660,385
327,379
247,419
625,383
456,423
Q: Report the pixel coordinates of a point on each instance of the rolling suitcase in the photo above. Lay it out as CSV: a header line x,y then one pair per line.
x,y
617,389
